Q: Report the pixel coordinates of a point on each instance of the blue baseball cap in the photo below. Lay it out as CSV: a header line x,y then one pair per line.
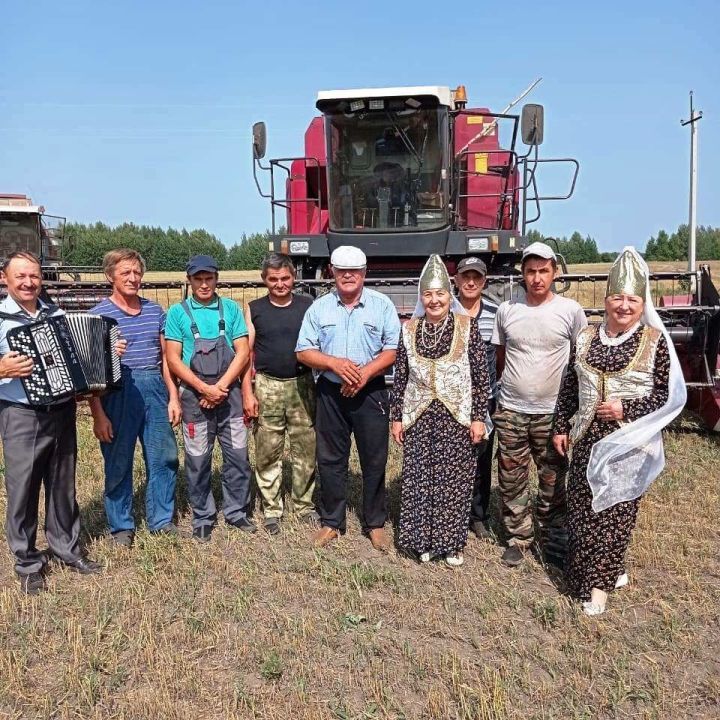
x,y
201,263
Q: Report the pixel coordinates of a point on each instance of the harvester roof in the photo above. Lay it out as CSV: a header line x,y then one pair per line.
x,y
443,95
19,204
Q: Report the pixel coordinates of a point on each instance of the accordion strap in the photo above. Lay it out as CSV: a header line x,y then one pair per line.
x,y
26,319
193,325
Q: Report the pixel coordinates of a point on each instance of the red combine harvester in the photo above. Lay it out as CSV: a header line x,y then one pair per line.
x,y
405,172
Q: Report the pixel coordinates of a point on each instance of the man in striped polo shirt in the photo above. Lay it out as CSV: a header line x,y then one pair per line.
x,y
145,409
470,282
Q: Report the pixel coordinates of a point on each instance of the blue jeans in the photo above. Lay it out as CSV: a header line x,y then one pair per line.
x,y
139,412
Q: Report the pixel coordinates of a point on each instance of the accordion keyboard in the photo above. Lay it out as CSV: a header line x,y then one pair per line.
x,y
50,378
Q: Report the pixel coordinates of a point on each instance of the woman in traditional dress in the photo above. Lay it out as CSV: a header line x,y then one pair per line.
x,y
623,385
438,409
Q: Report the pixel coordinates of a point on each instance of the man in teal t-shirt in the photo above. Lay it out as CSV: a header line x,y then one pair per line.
x,y
207,350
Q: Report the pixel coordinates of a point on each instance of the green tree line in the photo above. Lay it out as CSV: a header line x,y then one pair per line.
x,y
170,249
675,246
166,250
576,249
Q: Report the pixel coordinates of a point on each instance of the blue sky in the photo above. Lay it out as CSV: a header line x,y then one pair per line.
x,y
141,111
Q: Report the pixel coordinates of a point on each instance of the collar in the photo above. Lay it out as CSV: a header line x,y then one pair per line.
x,y
195,305
12,307
360,303
608,341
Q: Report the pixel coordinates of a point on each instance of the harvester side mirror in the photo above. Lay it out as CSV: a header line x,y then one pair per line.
x,y
532,122
259,141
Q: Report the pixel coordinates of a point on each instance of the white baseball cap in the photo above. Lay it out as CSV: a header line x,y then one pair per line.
x,y
347,257
539,249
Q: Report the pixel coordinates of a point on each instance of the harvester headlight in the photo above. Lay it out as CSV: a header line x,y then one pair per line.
x,y
478,244
299,247
377,104
356,105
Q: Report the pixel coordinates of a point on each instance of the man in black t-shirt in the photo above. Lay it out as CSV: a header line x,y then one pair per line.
x,y
283,398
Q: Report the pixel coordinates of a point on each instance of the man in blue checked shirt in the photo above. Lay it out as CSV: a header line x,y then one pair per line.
x,y
350,338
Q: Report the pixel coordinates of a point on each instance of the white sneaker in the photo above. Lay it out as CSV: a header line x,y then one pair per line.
x,y
622,581
591,609
454,559
425,557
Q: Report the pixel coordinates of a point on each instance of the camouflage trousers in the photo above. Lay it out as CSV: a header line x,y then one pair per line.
x,y
522,436
286,406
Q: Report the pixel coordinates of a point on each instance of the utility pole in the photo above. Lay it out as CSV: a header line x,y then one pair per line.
x,y
695,115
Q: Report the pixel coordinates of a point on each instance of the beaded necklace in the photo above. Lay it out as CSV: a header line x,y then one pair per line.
x,y
432,336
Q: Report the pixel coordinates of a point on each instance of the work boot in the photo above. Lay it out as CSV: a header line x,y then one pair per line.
x,y
312,519
272,526
244,524
82,565
513,556
169,530
202,533
123,538
482,530
32,584
379,539
324,536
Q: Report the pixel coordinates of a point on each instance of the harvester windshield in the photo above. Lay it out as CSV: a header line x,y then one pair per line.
x,y
388,169
18,231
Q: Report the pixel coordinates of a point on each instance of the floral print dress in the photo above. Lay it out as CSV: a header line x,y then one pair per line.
x,y
598,541
439,459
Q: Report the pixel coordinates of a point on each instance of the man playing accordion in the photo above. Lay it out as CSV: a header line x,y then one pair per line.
x,y
39,443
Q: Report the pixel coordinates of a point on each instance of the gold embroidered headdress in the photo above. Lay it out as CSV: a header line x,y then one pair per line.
x,y
435,275
627,276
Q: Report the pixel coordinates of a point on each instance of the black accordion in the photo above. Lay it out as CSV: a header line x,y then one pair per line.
x,y
73,354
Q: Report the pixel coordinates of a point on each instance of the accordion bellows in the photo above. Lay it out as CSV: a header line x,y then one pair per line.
x,y
73,354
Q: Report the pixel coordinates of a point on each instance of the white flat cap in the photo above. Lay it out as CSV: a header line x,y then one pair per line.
x,y
539,249
347,257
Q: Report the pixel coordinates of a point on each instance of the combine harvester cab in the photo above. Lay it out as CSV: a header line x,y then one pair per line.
x,y
402,173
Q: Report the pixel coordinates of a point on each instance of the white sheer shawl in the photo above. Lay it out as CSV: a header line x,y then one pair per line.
x,y
623,465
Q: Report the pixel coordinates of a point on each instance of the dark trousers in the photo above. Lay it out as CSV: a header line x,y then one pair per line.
x,y
40,448
365,416
479,507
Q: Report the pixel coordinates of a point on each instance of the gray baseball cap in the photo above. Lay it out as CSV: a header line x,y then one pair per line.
x,y
472,263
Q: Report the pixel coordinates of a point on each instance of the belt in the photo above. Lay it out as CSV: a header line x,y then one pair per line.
x,y
302,374
38,408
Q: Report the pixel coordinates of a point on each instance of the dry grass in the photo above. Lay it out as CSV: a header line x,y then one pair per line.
x,y
260,627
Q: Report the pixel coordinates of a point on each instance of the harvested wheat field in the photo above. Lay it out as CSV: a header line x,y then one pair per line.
x,y
260,627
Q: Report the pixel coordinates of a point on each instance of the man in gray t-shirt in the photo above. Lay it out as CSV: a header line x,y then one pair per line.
x,y
533,338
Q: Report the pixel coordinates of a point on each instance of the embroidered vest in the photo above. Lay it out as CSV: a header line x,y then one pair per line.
x,y
446,379
595,386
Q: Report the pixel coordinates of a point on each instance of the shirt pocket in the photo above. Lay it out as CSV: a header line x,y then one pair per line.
x,y
373,333
327,334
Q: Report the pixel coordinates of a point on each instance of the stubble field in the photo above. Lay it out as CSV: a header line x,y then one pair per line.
x,y
261,627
